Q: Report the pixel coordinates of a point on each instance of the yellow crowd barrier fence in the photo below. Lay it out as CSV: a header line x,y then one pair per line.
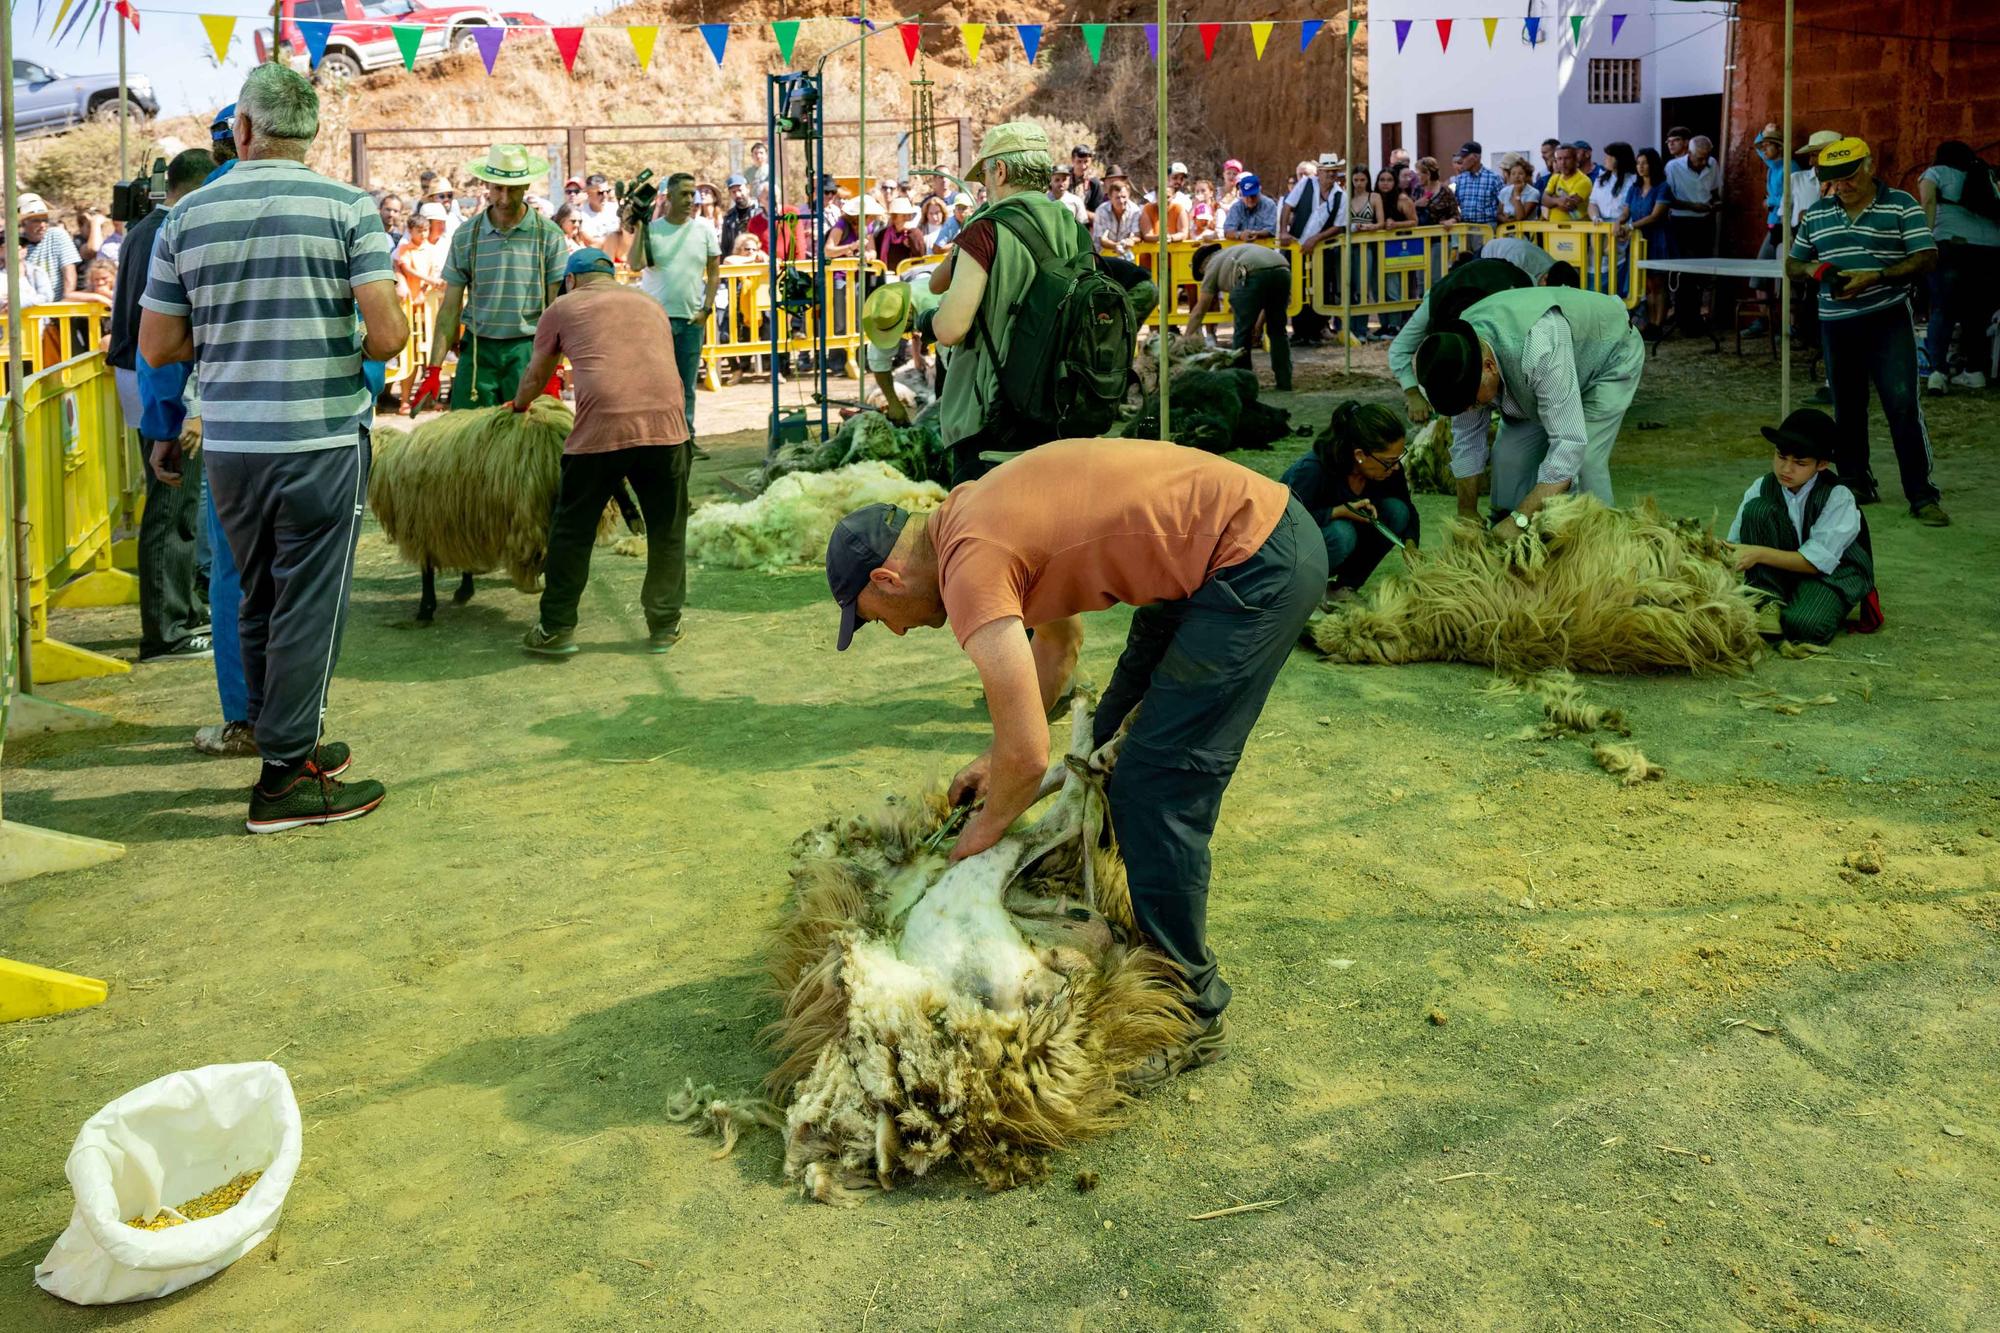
x,y
1606,263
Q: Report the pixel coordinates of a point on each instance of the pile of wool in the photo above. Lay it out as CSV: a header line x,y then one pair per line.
x,y
916,450
984,1013
1585,588
1427,459
1213,410
789,524
473,490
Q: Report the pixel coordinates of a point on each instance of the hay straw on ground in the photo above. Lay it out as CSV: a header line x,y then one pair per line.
x,y
473,490
1625,763
1427,459
789,524
1585,588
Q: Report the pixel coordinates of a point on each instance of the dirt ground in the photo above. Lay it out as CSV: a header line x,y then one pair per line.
x,y
1515,1048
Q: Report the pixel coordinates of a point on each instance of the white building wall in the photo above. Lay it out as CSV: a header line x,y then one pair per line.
x,y
1520,95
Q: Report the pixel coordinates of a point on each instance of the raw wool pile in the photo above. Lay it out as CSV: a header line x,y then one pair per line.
x,y
982,1013
1585,588
1427,459
473,489
789,524
916,450
1213,410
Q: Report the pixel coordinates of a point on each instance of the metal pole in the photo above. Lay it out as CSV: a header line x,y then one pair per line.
x,y
1162,266
124,103
851,298
19,670
1347,207
1785,237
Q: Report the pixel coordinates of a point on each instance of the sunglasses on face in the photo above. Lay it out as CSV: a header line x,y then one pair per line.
x,y
572,189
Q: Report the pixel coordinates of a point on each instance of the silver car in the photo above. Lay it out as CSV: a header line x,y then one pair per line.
x,y
45,100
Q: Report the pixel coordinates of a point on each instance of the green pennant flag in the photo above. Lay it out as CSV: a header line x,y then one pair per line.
x,y
1576,30
1093,37
1353,26
787,33
407,38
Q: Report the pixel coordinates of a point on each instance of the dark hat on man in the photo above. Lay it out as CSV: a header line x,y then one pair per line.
x,y
1448,365
1806,433
1470,146
860,544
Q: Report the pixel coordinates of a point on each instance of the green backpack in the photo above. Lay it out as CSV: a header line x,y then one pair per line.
x,y
1071,350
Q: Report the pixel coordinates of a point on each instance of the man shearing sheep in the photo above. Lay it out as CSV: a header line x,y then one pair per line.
x,y
1224,568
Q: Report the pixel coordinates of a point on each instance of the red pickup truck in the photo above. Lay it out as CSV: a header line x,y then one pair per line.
x,y
362,42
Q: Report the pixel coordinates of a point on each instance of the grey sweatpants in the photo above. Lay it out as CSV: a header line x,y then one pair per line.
x,y
292,521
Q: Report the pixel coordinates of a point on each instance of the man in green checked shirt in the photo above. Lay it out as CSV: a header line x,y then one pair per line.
x,y
501,272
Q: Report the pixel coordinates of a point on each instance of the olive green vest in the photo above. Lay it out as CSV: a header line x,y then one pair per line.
x,y
1599,325
972,382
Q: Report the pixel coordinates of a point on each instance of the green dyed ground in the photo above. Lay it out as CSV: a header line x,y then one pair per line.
x,y
1694,1072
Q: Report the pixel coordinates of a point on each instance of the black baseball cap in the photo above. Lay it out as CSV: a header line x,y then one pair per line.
x,y
1806,433
858,547
1470,146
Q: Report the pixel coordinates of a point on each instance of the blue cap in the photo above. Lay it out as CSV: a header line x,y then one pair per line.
x,y
735,179
223,127
1248,185
588,260
1582,146
860,544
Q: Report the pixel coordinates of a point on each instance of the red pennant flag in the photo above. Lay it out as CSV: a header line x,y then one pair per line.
x,y
567,41
1209,32
911,35
1444,34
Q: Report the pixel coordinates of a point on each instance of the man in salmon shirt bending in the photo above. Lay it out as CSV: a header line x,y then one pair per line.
x,y
1224,568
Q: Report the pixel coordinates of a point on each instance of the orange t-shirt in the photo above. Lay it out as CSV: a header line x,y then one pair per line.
x,y
1079,525
1177,221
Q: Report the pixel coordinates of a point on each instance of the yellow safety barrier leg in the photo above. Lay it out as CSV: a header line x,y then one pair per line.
x,y
27,991
100,587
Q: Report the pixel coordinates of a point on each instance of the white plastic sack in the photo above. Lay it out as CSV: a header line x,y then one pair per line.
x,y
173,1140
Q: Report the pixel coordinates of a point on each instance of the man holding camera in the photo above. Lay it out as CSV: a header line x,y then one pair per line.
x,y
503,269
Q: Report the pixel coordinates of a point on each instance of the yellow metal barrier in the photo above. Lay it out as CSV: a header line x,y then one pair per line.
x,y
1178,293
75,458
1606,265
749,289
1388,271
51,334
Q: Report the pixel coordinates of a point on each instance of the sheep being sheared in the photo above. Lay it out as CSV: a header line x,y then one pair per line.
x,y
472,490
983,1013
1584,588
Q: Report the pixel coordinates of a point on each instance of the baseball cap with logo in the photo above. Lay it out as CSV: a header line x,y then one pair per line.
x,y
861,543
1842,158
1248,185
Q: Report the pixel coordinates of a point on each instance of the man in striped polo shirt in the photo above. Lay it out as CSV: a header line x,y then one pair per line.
x,y
501,271
1864,244
264,270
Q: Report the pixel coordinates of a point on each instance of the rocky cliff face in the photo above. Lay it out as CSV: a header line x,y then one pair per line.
x,y
1270,113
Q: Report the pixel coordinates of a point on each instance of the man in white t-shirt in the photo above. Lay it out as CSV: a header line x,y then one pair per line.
x,y
1059,190
682,263
597,214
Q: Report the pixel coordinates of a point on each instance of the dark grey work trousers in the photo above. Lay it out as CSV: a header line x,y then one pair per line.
x,y
168,612
1201,668
292,521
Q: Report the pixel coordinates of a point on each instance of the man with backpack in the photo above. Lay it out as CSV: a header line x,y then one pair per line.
x,y
1044,335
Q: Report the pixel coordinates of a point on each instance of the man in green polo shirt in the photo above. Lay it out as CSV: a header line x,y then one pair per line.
x,y
502,270
1864,244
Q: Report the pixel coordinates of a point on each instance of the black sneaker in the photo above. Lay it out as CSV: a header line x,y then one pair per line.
x,y
333,758
1205,1047
660,640
542,643
1932,515
192,648
311,797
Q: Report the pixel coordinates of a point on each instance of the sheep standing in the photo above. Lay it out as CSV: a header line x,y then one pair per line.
x,y
472,490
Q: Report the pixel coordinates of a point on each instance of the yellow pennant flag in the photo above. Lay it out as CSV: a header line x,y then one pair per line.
x,y
972,34
60,14
1491,24
643,36
1260,33
219,27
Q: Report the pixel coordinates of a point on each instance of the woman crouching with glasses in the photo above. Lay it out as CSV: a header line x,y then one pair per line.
x,y
1352,484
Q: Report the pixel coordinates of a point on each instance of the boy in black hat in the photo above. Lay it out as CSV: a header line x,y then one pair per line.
x,y
1800,536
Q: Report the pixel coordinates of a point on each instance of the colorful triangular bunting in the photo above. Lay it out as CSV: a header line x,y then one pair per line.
x,y
1491,24
1309,30
1617,22
409,36
643,36
1260,33
1031,39
1403,27
1576,30
973,35
1093,39
912,36
567,40
1153,45
488,40
219,28
787,33
130,13
1209,32
717,37
1444,34
315,34
1534,27
1353,26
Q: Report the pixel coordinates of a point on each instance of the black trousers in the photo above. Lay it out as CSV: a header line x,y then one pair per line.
x,y
168,612
1202,668
1812,605
659,477
1878,348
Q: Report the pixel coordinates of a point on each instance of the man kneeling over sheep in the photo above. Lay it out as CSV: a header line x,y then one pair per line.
x,y
1224,568
629,426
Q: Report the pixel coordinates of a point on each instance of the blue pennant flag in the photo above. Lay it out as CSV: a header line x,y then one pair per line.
x,y
1309,30
1031,38
718,38
315,34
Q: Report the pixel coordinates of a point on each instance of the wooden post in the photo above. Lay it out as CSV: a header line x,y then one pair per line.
x,y
1785,237
1162,268
19,669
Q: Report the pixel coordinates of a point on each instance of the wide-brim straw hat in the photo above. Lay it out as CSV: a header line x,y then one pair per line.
x,y
508,164
901,207
30,205
852,208
885,315
1015,136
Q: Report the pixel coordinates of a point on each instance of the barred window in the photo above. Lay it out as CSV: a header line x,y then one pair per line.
x,y
1614,80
